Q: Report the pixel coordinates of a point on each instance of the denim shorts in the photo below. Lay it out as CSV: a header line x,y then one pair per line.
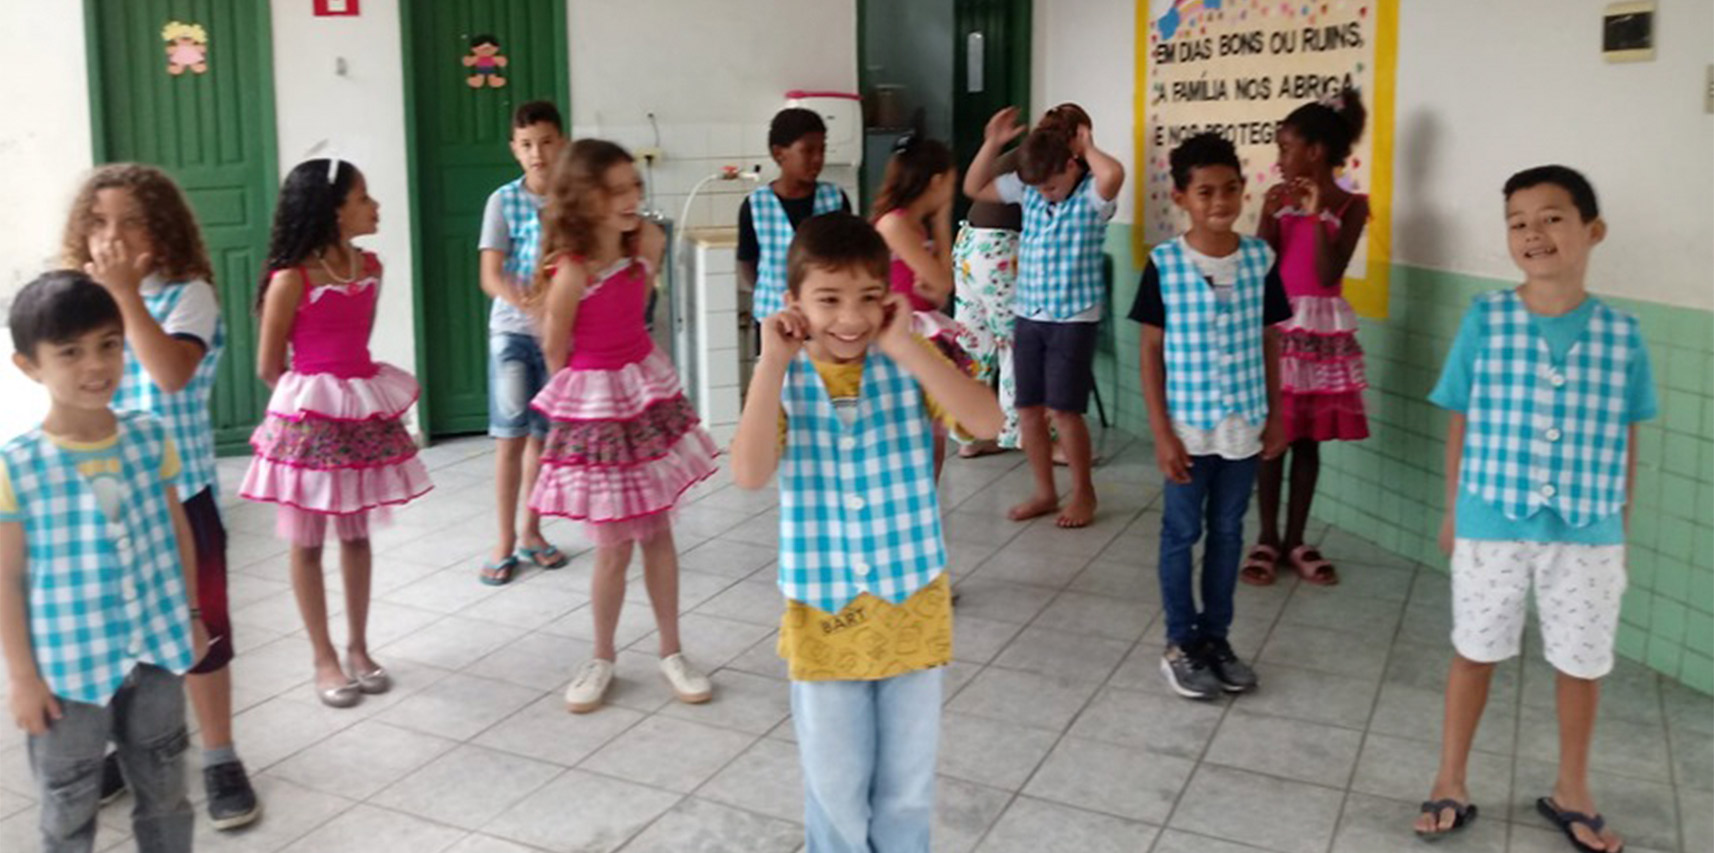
x,y
516,373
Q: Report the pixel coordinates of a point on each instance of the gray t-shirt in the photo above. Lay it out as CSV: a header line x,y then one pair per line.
x,y
498,234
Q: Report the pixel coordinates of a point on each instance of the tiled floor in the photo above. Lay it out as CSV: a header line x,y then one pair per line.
x,y
1058,735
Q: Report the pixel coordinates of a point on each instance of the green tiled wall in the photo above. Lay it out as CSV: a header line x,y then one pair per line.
x,y
1390,488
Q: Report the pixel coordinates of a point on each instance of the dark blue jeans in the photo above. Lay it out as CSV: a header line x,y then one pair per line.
x,y
1218,491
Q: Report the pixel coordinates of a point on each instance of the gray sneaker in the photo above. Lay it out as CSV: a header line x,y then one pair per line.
x,y
231,801
1188,674
1234,675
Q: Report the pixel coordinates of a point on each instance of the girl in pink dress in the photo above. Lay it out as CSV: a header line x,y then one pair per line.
x,y
623,443
913,212
332,449
1313,224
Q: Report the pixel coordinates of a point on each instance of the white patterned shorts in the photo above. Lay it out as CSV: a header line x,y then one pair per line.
x,y
1577,594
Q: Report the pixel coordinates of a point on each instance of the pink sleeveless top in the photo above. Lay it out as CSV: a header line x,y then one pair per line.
x,y
1297,248
330,331
609,332
903,279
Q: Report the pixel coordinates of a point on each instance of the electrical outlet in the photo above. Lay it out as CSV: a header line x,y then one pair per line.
x,y
1708,93
651,154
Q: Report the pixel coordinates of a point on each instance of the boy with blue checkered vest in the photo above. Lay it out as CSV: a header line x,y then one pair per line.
x,y
508,249
797,140
1208,303
133,231
96,578
1067,187
843,403
1545,384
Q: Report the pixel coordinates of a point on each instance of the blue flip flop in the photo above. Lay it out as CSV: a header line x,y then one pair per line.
x,y
547,556
1463,814
500,574
1568,820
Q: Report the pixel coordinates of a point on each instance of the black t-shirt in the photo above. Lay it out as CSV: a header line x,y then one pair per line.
x,y
1150,310
797,210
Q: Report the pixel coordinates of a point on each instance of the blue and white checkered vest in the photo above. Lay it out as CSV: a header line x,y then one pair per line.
x,y
1059,255
522,212
1215,365
103,595
184,412
1546,435
858,507
774,233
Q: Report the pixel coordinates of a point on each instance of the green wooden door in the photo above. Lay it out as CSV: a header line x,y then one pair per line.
x,y
1001,29
213,131
460,155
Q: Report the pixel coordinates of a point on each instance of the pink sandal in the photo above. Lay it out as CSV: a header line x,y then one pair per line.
x,y
1261,567
1312,567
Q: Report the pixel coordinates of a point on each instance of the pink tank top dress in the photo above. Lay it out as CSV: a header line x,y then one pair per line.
x,y
1321,363
927,318
334,442
623,443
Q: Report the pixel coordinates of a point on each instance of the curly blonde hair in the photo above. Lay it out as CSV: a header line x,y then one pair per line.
x,y
179,252
175,30
576,201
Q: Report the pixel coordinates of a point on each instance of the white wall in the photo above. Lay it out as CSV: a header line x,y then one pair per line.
x,y
45,141
1085,51
1528,86
1476,103
713,74
362,114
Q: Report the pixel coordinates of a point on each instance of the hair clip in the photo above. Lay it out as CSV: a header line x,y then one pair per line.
x,y
904,143
325,148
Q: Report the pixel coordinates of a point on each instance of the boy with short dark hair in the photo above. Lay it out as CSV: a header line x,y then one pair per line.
x,y
1545,384
97,572
1067,187
1208,303
797,140
511,237
843,405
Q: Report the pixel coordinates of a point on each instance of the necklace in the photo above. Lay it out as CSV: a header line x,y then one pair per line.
x,y
351,275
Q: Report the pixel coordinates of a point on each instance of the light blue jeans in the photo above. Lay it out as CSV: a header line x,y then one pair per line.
x,y
868,751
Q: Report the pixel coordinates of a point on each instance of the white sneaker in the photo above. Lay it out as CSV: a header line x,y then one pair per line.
x,y
690,685
588,686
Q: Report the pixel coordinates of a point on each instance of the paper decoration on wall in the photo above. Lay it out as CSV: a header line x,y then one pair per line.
x,y
187,47
485,63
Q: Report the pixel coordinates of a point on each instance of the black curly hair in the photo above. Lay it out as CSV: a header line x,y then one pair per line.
x,y
1335,126
306,219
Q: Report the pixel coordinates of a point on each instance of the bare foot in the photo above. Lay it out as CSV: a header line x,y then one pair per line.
x,y
1435,823
1079,512
1036,506
981,448
329,676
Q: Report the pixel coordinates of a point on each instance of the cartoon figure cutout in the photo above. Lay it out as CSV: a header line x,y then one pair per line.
x,y
187,48
485,63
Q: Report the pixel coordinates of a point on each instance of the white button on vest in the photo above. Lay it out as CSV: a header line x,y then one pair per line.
x,y
1556,379
1552,434
1548,491
862,569
847,443
854,502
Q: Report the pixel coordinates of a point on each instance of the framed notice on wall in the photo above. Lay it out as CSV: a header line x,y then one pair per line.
x,y
1237,67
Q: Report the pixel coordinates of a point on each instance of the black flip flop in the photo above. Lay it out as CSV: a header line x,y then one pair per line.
x,y
1568,820
1463,814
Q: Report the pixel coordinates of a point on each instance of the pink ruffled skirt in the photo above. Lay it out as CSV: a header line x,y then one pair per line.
x,y
623,446
1321,371
333,448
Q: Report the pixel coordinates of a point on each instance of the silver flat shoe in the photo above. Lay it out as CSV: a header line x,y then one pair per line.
x,y
375,681
343,696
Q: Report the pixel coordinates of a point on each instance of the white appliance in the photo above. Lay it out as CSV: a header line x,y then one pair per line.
x,y
843,114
